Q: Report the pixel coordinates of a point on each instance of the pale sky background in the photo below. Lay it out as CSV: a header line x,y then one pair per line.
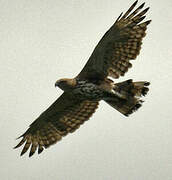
x,y
44,40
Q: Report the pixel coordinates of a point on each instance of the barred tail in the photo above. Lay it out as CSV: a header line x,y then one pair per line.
x,y
127,96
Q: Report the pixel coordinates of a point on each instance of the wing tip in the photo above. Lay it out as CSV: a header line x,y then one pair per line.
x,y
119,17
40,150
19,137
148,22
21,154
31,153
20,143
15,147
142,5
134,4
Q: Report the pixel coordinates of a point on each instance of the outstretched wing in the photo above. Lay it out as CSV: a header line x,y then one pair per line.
x,y
121,43
64,116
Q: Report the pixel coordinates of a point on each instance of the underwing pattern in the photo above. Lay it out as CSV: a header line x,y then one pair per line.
x,y
53,130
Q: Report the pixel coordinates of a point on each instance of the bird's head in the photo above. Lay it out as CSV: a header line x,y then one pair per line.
x,y
66,84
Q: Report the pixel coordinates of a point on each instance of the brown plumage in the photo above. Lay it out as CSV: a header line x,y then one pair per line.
x,y
121,43
57,121
111,57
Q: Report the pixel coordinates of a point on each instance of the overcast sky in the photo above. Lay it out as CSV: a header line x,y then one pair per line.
x,y
44,40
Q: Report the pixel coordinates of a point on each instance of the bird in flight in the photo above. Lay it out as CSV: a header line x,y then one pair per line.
x,y
111,58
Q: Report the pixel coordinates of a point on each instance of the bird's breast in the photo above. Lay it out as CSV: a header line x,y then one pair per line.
x,y
88,91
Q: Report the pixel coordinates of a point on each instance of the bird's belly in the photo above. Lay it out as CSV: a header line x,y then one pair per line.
x,y
89,91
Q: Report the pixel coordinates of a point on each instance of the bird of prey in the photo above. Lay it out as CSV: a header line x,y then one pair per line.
x,y
111,58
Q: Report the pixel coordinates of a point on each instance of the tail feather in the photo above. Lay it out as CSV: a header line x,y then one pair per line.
x,y
127,96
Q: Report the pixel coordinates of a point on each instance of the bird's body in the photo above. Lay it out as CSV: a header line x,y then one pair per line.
x,y
88,91
91,91
82,94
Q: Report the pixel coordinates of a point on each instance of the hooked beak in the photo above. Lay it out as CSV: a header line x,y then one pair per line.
x,y
56,83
